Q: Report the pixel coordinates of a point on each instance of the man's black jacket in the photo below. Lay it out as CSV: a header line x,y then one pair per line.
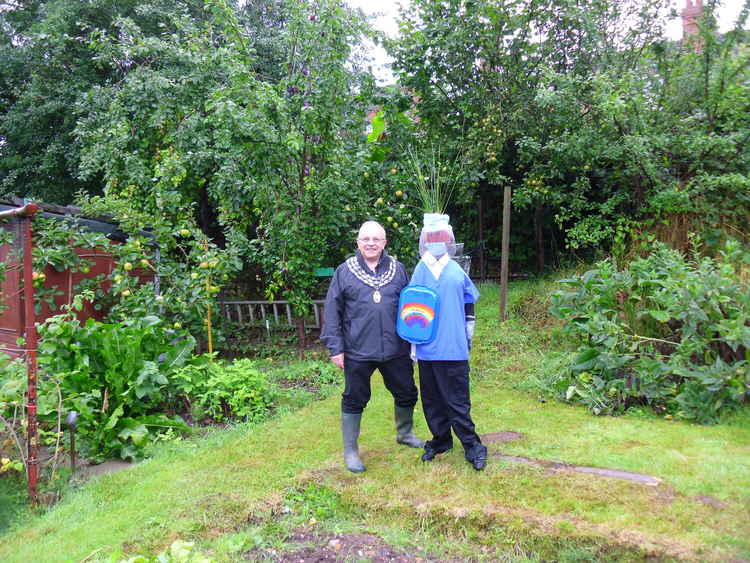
x,y
357,326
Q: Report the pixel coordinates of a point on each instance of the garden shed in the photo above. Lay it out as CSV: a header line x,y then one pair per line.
x,y
12,316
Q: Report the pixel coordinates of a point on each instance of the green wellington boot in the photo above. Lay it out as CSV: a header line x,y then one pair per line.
x,y
404,425
350,430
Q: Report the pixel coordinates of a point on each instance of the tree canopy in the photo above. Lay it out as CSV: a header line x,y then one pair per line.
x,y
596,120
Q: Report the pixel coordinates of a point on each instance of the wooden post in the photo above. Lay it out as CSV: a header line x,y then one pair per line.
x,y
481,235
301,341
209,330
504,255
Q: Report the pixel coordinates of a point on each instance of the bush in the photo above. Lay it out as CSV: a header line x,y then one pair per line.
x,y
225,391
666,332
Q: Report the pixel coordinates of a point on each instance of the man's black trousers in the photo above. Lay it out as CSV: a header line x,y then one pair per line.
x,y
398,376
446,403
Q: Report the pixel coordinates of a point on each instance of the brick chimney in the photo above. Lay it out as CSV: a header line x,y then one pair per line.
x,y
690,17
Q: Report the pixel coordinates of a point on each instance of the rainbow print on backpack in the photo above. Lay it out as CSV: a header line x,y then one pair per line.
x,y
418,309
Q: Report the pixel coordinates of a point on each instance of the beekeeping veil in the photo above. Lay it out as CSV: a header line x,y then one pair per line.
x,y
437,236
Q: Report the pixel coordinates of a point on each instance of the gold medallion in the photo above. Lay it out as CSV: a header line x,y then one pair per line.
x,y
376,296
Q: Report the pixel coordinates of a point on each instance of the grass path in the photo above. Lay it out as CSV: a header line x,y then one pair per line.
x,y
237,479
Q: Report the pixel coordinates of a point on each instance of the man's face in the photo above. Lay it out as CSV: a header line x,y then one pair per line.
x,y
371,242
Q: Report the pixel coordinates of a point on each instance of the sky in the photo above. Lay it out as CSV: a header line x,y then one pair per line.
x,y
387,14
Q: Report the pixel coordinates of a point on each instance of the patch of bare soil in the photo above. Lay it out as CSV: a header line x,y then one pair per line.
x,y
299,384
641,478
320,548
501,437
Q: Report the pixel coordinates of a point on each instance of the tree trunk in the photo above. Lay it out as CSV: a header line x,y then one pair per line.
x,y
301,340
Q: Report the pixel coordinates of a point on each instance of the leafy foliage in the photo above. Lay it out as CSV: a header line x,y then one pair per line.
x,y
12,394
313,501
225,391
188,268
665,332
179,551
47,65
272,166
115,376
605,130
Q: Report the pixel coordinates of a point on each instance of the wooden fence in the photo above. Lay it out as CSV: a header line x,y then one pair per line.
x,y
277,312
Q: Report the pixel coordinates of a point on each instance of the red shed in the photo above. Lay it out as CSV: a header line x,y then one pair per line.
x,y
11,293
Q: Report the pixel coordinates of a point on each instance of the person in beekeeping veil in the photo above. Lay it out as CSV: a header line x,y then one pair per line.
x,y
444,362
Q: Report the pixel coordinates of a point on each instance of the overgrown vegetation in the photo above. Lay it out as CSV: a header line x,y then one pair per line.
x,y
605,129
116,377
249,490
225,136
665,331
136,383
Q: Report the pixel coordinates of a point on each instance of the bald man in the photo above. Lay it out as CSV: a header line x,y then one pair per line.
x,y
360,334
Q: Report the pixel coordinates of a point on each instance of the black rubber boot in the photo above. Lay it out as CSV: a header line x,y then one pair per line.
x,y
404,428
350,430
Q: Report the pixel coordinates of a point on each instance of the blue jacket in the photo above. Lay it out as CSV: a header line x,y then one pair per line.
x,y
455,289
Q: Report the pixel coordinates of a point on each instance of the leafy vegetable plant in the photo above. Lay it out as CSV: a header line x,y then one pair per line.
x,y
115,376
667,332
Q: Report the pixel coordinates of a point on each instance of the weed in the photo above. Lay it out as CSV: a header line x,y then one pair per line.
x,y
666,332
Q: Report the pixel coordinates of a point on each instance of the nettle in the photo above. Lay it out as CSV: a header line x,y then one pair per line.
x,y
667,332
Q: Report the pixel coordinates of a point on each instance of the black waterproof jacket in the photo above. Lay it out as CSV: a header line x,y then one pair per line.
x,y
357,326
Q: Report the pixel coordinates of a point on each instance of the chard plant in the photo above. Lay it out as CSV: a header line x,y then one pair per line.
x,y
115,376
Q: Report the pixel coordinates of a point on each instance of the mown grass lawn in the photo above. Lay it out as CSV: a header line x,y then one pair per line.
x,y
238,493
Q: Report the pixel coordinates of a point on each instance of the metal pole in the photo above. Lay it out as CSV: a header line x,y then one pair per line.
x,y
504,255
72,422
32,462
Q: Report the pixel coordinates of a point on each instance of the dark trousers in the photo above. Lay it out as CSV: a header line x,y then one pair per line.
x,y
446,404
398,376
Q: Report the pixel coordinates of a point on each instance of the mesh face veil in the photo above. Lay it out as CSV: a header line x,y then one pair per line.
x,y
437,229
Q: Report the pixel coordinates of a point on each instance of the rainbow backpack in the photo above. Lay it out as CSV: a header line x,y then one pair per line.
x,y
418,309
